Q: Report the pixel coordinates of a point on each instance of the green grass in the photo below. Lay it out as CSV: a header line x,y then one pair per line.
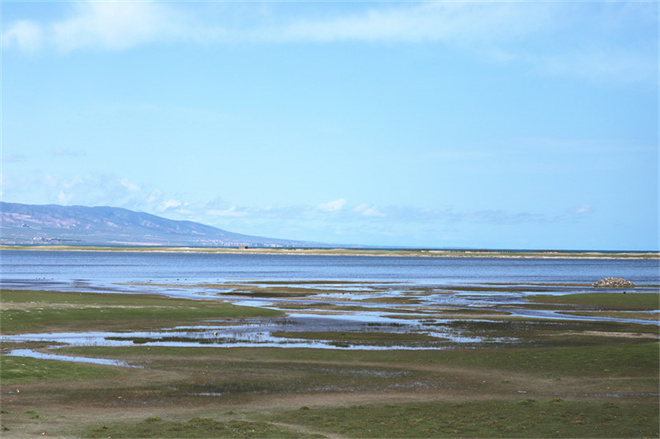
x,y
21,370
493,418
614,301
640,359
630,359
546,332
40,311
194,428
618,314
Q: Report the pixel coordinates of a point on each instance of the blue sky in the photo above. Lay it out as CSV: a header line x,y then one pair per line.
x,y
425,124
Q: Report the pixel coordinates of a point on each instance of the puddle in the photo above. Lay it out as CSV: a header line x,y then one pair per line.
x,y
259,333
560,315
43,356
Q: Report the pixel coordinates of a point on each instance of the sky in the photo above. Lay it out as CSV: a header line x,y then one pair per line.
x,y
436,124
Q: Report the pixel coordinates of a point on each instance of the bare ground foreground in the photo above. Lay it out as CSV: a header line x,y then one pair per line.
x,y
484,372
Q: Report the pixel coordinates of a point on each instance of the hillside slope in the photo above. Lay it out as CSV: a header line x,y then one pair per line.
x,y
81,225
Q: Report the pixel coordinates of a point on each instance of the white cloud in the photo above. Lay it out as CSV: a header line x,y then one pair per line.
x,y
229,212
603,64
606,42
154,196
169,204
581,210
98,25
464,22
113,25
23,34
64,152
368,210
131,187
332,206
64,198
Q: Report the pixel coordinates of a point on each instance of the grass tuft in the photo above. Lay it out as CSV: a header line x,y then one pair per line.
x,y
194,428
493,418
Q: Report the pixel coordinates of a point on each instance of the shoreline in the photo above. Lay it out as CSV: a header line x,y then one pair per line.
x,y
532,254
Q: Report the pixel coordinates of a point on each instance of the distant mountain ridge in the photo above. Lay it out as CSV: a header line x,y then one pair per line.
x,y
81,225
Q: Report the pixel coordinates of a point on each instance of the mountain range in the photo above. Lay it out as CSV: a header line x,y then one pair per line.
x,y
52,224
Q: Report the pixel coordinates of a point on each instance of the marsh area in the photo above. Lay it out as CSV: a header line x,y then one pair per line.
x,y
326,346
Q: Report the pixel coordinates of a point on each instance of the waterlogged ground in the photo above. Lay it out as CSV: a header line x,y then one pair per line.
x,y
363,315
328,358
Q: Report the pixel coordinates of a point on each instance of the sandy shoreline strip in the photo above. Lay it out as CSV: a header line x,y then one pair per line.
x,y
542,254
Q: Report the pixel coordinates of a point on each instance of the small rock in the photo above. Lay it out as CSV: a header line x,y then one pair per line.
x,y
613,282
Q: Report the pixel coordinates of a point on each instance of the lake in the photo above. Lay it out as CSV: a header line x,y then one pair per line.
x,y
94,271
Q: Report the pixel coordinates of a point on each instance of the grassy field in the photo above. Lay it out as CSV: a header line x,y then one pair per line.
x,y
554,379
607,301
44,311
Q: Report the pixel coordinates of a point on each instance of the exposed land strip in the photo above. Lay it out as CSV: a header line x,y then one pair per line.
x,y
544,254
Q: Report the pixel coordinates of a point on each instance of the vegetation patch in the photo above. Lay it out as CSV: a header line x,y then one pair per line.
x,y
21,370
543,332
41,311
613,301
194,428
618,314
638,359
493,418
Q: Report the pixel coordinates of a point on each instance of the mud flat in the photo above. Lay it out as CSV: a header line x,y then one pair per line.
x,y
340,360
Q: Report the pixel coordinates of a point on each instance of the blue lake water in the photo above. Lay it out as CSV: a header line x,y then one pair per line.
x,y
92,270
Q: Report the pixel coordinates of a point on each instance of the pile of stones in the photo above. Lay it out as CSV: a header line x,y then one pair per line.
x,y
614,282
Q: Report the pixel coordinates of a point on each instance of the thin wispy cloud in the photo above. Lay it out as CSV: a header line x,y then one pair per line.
x,y
368,210
65,152
581,210
169,204
510,32
457,22
113,26
231,211
24,35
120,192
13,158
332,206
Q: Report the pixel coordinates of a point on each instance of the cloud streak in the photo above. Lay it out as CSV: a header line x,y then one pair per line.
x,y
106,190
339,220
332,206
605,43
98,25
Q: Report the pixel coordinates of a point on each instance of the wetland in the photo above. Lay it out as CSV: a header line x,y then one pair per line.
x,y
228,345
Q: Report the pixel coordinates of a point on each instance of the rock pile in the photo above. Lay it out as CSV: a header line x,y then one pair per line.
x,y
614,282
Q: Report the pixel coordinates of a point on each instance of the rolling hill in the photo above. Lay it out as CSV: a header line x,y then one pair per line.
x,y
81,225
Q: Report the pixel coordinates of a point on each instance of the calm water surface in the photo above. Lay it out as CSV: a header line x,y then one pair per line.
x,y
97,270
